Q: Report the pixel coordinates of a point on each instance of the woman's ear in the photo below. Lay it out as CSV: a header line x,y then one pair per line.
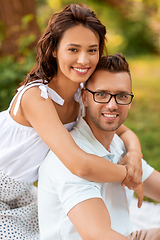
x,y
54,54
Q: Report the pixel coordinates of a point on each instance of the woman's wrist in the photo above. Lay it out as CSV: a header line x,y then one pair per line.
x,y
122,173
126,172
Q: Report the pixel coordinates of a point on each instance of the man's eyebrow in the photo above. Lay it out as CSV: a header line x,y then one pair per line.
x,y
76,45
107,91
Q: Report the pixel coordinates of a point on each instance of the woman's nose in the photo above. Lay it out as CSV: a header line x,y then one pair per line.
x,y
83,58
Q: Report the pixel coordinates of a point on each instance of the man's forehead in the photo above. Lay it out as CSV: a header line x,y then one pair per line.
x,y
104,77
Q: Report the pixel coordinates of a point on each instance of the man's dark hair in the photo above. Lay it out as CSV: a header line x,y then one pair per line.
x,y
113,63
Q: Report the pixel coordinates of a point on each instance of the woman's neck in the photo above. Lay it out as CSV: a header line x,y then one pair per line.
x,y
65,88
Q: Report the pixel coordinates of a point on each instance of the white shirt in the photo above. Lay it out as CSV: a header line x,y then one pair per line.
x,y
21,149
60,190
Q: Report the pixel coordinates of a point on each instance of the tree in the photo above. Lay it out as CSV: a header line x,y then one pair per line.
x,y
18,26
139,25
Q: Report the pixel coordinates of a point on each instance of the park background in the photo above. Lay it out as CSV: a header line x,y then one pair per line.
x,y
133,28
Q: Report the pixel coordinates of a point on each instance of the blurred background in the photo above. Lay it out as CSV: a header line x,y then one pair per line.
x,y
133,28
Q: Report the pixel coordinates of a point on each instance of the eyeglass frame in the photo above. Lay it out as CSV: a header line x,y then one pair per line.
x,y
111,95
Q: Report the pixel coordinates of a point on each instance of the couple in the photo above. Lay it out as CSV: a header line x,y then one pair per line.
x,y
72,208
47,104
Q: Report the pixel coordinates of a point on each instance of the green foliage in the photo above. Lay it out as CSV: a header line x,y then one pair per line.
x,y
144,114
26,19
12,71
139,36
24,43
11,74
132,29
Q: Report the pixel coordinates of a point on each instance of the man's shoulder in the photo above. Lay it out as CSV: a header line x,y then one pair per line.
x,y
82,141
118,143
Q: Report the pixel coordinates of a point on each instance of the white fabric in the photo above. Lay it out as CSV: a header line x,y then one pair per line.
x,y
60,190
148,216
21,149
18,210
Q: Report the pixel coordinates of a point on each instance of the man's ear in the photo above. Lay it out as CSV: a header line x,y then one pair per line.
x,y
84,97
129,106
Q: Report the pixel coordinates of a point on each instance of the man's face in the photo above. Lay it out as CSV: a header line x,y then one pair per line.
x,y
106,116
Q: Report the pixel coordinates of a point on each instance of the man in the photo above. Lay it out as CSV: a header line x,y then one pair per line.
x,y
71,208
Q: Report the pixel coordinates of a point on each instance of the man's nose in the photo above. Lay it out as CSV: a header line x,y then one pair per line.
x,y
112,104
83,58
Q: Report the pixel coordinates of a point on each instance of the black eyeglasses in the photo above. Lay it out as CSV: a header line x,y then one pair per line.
x,y
104,97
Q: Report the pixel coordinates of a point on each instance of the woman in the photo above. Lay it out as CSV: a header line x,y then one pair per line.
x,y
49,100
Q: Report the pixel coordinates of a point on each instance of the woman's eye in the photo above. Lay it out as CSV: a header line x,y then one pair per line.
x,y
73,50
93,50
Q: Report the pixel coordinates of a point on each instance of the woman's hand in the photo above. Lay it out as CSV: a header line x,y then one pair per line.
x,y
140,194
133,163
132,159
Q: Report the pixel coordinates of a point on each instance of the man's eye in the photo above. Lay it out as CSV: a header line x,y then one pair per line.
x,y
101,94
123,96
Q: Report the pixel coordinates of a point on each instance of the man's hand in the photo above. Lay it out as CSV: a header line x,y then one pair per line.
x,y
140,194
133,163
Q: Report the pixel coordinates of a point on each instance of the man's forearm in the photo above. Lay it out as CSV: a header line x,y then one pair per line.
x,y
152,186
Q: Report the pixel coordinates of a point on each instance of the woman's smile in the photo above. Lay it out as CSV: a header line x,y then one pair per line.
x,y
77,54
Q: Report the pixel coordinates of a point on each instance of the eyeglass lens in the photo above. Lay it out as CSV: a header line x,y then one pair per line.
x,y
121,98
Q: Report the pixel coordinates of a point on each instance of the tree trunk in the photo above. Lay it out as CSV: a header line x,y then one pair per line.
x,y
11,26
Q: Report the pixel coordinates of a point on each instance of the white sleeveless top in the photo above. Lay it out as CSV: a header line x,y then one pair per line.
x,y
21,149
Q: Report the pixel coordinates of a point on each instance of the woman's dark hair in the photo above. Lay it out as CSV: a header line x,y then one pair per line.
x,y
72,15
112,63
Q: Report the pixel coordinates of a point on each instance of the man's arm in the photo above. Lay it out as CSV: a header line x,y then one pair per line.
x,y
92,221
152,186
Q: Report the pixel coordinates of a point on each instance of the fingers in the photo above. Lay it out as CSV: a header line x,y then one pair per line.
x,y
132,179
140,199
140,203
134,171
140,193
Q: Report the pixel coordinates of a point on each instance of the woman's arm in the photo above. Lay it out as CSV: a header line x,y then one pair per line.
x,y
42,116
132,159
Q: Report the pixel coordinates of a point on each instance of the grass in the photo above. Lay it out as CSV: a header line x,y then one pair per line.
x,y
144,115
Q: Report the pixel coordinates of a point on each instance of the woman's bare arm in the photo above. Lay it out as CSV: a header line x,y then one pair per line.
x,y
42,115
133,157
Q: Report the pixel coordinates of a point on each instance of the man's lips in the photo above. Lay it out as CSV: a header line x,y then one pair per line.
x,y
110,117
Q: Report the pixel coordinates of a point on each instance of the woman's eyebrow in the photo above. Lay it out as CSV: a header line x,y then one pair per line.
x,y
73,45
77,45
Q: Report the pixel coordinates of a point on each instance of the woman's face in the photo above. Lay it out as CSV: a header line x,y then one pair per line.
x,y
77,54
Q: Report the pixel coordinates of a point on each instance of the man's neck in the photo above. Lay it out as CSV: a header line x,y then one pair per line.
x,y
104,137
